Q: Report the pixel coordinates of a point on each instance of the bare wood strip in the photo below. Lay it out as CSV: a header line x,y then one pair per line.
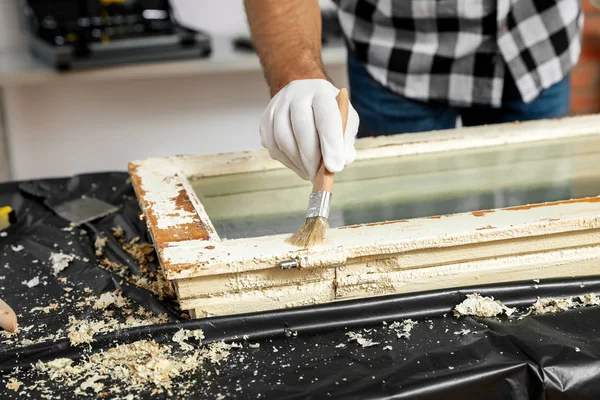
x,y
169,213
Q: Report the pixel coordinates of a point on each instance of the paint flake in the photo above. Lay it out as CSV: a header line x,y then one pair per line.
x,y
60,262
463,332
403,328
111,298
182,335
358,338
549,305
480,306
33,282
17,248
590,299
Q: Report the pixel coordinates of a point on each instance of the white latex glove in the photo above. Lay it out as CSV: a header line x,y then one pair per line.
x,y
302,123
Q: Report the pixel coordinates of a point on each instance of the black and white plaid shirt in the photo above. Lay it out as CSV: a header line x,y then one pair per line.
x,y
459,51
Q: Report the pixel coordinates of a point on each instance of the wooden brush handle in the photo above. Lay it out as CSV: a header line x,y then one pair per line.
x,y
324,178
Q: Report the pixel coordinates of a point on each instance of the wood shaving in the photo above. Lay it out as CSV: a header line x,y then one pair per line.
x,y
83,332
99,245
136,366
480,306
17,248
182,335
14,384
143,253
60,262
45,310
358,338
218,351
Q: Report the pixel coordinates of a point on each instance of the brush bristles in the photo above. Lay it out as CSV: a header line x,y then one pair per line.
x,y
311,233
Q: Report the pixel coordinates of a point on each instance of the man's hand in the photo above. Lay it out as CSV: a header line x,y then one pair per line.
x,y
302,123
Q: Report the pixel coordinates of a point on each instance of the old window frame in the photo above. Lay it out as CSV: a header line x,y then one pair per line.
x,y
370,259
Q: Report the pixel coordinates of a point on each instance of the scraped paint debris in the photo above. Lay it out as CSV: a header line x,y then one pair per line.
x,y
32,282
358,338
590,299
182,335
60,262
111,298
403,328
462,332
549,305
480,306
17,248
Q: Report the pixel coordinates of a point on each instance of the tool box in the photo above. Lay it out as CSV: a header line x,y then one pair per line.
x,y
71,34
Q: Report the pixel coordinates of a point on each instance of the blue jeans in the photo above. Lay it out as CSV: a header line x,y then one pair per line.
x,y
383,112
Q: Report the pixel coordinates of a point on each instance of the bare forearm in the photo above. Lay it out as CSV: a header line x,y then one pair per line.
x,y
287,38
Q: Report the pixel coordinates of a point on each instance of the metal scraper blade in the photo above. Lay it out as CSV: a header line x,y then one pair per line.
x,y
84,209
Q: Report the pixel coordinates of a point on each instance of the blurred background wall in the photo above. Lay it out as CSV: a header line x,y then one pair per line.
x,y
60,127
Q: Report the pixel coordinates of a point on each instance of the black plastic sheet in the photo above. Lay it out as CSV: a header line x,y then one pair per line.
x,y
304,353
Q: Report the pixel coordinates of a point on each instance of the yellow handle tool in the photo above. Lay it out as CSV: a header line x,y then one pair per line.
x,y
7,217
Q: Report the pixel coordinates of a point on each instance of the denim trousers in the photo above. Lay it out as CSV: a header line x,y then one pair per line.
x,y
383,112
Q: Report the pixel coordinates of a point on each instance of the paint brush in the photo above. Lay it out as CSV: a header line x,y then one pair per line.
x,y
316,224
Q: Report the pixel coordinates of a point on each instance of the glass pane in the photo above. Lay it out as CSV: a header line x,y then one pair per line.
x,y
274,202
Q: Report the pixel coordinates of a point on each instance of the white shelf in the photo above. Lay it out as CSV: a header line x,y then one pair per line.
x,y
19,67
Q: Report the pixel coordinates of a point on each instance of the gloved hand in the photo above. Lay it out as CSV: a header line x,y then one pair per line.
x,y
302,123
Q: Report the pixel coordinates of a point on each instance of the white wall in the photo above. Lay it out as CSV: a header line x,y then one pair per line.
x,y
65,128
11,35
220,17
10,38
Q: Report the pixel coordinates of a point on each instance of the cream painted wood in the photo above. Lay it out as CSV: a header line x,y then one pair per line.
x,y
219,277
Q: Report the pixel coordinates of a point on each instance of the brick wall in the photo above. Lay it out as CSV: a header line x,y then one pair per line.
x,y
586,76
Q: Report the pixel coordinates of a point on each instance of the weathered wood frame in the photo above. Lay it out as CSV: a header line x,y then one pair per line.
x,y
214,276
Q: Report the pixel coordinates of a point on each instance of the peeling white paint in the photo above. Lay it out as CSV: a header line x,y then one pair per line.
x,y
344,244
397,256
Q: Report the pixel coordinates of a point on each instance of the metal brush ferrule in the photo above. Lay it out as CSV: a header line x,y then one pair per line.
x,y
318,205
